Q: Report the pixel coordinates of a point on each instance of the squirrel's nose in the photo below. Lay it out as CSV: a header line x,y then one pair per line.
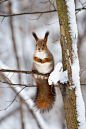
x,y
38,48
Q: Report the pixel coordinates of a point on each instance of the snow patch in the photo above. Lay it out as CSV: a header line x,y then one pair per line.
x,y
58,75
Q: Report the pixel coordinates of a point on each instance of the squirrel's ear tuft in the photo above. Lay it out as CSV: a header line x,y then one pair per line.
x,y
35,36
46,36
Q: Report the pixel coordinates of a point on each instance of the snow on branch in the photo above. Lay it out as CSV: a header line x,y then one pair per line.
x,y
58,75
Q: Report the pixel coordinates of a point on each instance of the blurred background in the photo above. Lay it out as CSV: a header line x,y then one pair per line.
x,y
17,46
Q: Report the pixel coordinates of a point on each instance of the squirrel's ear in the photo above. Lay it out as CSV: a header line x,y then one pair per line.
x,y
35,36
46,36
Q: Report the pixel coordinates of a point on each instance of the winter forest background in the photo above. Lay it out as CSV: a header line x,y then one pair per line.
x,y
17,46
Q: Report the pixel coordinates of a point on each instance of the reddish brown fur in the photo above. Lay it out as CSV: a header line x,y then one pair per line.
x,y
45,95
46,36
41,44
37,59
48,59
35,36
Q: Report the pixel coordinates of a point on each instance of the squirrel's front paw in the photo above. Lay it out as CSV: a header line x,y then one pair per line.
x,y
39,60
44,60
34,75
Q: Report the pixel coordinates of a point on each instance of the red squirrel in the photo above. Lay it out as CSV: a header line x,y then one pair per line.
x,y
43,63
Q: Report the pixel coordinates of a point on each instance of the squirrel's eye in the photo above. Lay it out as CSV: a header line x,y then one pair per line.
x,y
43,45
36,44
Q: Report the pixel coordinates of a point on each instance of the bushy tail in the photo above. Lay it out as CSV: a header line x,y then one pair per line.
x,y
45,95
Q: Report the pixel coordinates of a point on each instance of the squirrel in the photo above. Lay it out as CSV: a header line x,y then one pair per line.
x,y
43,63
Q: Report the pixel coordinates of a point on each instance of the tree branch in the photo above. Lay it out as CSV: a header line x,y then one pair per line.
x,y
28,13
83,8
25,85
18,14
28,85
50,4
19,71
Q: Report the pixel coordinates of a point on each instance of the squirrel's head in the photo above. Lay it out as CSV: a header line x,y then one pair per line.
x,y
41,44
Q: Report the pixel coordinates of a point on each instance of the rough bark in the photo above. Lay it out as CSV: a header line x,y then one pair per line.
x,y
69,97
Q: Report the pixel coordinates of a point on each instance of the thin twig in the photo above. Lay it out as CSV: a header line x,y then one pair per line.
x,y
9,83
51,23
36,18
13,99
48,2
55,40
2,20
52,5
82,71
19,101
82,3
25,85
78,10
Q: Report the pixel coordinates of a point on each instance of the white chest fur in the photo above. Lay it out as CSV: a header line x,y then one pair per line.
x,y
43,67
41,55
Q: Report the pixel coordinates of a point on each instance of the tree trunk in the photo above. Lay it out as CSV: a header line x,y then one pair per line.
x,y
68,94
